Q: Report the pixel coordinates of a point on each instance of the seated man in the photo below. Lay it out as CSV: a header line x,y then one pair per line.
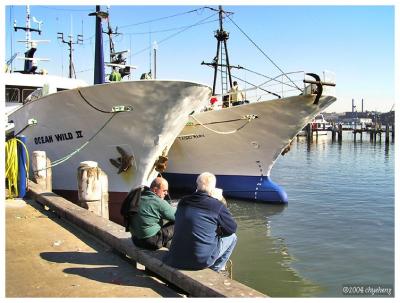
x,y
146,225
204,230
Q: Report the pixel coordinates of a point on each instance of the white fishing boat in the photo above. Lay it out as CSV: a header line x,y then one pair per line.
x,y
126,127
241,143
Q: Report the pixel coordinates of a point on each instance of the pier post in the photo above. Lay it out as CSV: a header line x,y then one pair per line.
x,y
393,132
371,135
93,188
41,166
340,132
387,133
309,133
333,130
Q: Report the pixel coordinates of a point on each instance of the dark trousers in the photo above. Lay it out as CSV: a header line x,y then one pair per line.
x,y
160,239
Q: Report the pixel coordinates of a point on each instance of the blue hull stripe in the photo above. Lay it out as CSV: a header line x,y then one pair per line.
x,y
256,188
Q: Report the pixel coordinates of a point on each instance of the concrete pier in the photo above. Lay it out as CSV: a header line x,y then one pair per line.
x,y
48,257
200,283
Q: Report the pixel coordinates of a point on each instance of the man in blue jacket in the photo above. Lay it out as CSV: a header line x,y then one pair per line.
x,y
204,234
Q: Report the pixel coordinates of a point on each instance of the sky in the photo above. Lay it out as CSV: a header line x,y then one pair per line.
x,y
354,42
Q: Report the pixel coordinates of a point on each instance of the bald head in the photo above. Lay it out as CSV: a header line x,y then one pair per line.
x,y
159,186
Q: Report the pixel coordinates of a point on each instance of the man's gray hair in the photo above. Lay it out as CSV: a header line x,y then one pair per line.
x,y
206,182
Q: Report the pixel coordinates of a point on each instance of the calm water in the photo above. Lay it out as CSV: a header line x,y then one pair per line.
x,y
338,227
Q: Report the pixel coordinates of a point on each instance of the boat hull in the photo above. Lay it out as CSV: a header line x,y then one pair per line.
x,y
79,125
240,146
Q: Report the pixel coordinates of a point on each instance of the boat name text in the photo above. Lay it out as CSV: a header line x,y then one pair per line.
x,y
58,137
190,137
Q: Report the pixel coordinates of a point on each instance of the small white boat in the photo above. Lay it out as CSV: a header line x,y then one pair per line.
x,y
318,125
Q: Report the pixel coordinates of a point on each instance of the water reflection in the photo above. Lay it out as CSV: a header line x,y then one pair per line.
x,y
261,260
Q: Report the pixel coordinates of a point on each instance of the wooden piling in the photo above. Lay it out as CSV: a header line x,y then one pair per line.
x,y
309,133
41,166
340,132
93,188
387,133
393,132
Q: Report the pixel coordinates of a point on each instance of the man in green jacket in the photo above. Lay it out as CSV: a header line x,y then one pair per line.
x,y
146,226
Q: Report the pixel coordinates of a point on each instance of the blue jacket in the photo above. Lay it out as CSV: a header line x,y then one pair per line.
x,y
199,222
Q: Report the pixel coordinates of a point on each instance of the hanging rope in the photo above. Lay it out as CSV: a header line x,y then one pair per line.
x,y
70,155
12,165
247,117
283,73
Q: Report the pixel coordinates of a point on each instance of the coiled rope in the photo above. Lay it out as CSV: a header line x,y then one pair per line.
x,y
248,119
12,165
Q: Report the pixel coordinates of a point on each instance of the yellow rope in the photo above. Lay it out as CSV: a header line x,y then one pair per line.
x,y
12,165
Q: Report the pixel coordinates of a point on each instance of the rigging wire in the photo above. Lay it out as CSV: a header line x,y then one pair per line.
x,y
166,30
66,9
256,86
274,78
247,36
163,18
175,34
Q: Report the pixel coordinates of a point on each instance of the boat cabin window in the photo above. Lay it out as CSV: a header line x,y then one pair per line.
x,y
26,92
12,95
18,93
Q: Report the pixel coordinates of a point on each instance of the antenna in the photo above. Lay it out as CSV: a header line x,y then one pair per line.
x,y
117,59
79,40
30,64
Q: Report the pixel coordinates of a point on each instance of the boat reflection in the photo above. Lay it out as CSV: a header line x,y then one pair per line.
x,y
261,260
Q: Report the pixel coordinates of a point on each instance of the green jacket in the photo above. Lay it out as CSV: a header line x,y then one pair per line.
x,y
149,218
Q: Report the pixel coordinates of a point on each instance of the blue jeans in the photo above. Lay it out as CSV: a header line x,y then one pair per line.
x,y
225,249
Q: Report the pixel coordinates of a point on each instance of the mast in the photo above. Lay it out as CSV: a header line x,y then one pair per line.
x,y
30,64
117,58
221,58
79,40
99,53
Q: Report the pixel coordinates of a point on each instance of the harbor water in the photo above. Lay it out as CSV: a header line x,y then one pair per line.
x,y
337,229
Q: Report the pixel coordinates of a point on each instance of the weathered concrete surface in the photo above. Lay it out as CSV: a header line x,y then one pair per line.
x,y
203,283
48,257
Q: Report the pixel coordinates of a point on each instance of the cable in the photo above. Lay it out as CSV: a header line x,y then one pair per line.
x,y
67,157
66,9
167,30
173,35
12,165
91,105
162,18
247,117
263,53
